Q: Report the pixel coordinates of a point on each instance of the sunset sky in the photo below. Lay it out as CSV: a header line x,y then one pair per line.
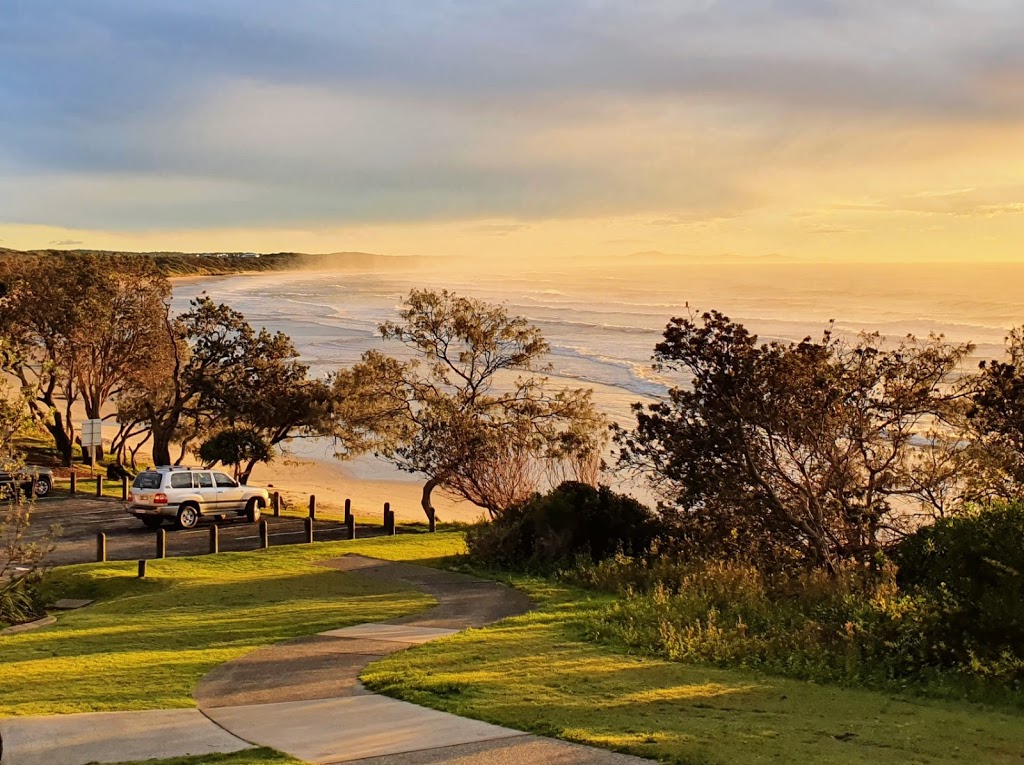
x,y
850,129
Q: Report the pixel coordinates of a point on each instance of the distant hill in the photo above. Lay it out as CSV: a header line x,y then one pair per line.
x,y
226,263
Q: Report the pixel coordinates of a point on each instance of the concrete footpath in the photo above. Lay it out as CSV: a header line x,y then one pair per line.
x,y
303,697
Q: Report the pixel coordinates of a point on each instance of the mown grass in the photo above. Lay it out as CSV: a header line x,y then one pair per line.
x,y
145,643
259,756
537,673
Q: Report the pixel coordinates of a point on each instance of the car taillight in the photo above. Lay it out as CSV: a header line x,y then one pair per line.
x,y
160,499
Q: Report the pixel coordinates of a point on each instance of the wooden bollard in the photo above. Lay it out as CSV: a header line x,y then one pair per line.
x,y
101,547
124,488
350,522
74,483
387,512
389,520
309,530
142,569
348,509
99,486
264,535
214,539
161,543
312,506
275,503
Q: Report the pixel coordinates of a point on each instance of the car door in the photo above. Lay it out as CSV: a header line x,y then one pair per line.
x,y
229,493
207,491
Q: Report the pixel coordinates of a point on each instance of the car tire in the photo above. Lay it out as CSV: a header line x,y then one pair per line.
x,y
188,516
43,486
150,522
253,510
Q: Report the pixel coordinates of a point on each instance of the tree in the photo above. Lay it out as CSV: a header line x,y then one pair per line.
x,y
235,446
21,558
469,412
213,371
82,323
791,451
996,416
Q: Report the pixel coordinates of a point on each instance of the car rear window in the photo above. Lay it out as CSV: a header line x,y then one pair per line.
x,y
147,481
181,480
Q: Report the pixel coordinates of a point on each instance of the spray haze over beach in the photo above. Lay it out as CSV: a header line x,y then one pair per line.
x,y
602,319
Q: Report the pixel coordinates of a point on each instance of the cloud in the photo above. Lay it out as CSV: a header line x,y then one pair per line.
x,y
66,243
986,202
203,113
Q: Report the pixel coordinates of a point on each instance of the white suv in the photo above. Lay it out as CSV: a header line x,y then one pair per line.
x,y
186,494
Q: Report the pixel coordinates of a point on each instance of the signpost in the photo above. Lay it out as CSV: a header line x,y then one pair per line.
x,y
92,437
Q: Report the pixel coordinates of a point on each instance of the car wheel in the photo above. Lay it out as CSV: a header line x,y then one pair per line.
x,y
152,523
253,510
188,517
43,486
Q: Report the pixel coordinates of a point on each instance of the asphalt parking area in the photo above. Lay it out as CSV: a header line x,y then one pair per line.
x,y
80,519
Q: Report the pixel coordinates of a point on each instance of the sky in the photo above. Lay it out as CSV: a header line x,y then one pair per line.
x,y
837,129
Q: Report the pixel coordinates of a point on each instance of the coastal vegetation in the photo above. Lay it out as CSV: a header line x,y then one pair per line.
x,y
559,672
837,527
470,411
176,264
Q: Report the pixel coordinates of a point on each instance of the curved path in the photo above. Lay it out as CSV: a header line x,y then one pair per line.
x,y
303,697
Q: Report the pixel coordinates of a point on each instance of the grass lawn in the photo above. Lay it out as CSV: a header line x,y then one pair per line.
x,y
535,673
248,757
145,643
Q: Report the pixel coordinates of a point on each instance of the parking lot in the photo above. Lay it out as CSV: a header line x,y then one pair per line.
x,y
127,539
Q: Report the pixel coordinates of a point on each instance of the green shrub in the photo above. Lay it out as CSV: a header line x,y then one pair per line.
x,y
20,602
972,566
851,628
573,521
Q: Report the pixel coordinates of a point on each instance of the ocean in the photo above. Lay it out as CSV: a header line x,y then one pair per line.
x,y
603,319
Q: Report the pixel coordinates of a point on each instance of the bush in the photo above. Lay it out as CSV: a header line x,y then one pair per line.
x,y
972,566
575,520
21,565
850,628
20,602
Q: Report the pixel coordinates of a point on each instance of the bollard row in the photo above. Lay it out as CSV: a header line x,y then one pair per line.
x,y
390,526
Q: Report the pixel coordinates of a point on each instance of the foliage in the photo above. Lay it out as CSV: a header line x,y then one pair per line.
x,y
572,521
559,672
21,564
792,451
972,566
234,446
80,324
457,413
224,374
845,627
997,420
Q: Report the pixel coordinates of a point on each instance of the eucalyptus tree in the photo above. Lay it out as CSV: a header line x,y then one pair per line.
x,y
469,409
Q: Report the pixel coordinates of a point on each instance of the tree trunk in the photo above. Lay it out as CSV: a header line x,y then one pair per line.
x,y
161,448
61,440
243,475
428,489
